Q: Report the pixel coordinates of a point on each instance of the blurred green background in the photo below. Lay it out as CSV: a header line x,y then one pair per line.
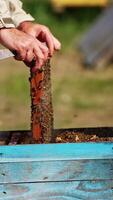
x,y
65,25
81,98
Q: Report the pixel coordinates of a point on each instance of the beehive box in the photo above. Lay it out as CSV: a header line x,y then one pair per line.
x,y
70,171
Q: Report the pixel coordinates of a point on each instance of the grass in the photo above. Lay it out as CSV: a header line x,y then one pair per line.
x,y
96,86
82,98
85,93
14,86
14,96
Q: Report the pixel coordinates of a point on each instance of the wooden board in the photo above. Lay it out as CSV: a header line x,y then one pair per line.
x,y
48,152
75,190
49,171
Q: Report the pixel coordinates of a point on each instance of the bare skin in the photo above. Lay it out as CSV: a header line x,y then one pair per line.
x,y
42,33
30,41
26,46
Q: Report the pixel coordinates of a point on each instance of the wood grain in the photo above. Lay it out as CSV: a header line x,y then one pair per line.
x,y
56,171
75,190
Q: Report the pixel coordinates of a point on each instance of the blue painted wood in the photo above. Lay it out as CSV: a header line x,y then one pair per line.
x,y
48,152
75,190
56,171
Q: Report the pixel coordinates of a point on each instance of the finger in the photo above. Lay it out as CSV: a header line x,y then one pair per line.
x,y
57,44
38,64
42,45
49,42
29,55
46,53
20,55
37,51
39,60
44,49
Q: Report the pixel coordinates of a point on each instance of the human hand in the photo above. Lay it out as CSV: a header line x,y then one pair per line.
x,y
26,47
42,33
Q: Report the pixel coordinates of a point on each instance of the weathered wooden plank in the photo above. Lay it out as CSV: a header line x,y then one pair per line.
x,y
56,152
56,171
87,190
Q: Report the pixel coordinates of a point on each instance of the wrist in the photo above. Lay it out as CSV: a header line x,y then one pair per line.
x,y
5,31
24,25
2,31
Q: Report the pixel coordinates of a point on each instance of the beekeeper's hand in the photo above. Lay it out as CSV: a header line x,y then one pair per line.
x,y
42,33
27,48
